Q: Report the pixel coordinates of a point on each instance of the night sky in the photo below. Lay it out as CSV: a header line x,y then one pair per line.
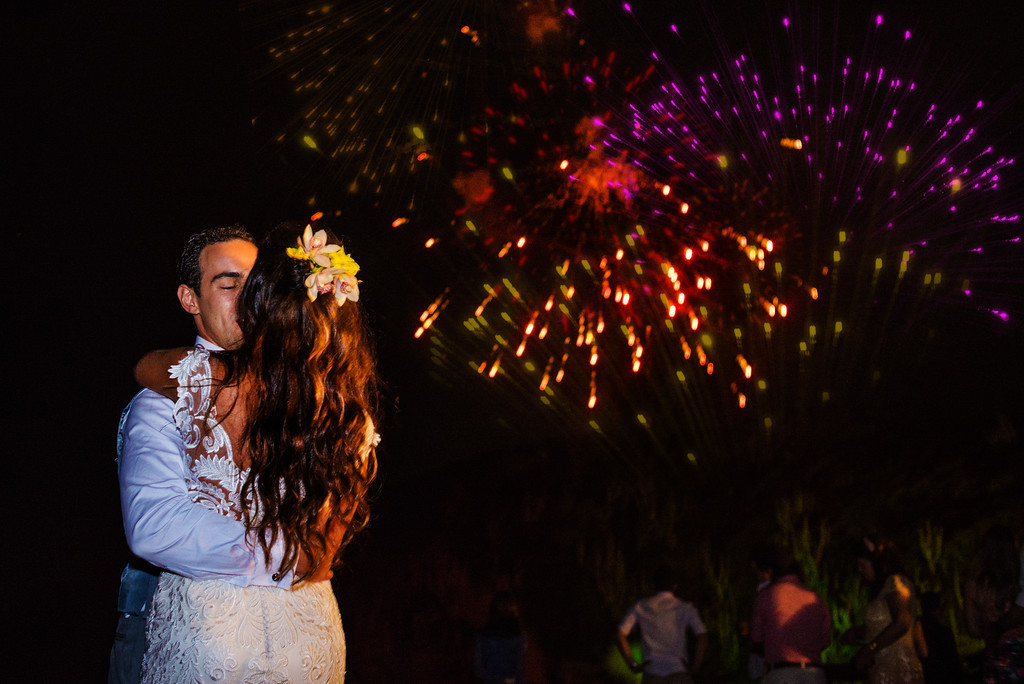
x,y
128,128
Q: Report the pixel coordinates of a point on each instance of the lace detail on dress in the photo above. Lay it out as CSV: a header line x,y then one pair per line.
x,y
195,417
216,480
213,631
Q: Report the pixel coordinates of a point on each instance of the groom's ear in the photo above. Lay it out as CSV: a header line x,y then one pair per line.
x,y
187,297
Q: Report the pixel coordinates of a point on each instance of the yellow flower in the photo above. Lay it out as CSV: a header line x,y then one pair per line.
x,y
343,261
332,270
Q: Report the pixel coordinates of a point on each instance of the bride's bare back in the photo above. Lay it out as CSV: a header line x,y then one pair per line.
x,y
212,419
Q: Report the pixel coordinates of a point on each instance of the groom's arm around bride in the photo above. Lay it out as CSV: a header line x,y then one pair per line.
x,y
164,527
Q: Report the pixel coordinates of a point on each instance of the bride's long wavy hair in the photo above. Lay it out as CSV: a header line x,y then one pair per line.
x,y
310,377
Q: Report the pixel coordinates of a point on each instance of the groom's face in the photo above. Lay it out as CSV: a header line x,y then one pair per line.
x,y
223,267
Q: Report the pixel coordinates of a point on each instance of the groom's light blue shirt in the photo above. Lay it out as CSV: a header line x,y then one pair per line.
x,y
162,523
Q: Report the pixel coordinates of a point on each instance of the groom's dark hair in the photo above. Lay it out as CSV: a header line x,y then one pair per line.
x,y
188,263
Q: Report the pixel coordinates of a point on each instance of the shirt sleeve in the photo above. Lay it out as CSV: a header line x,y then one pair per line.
x,y
628,622
162,523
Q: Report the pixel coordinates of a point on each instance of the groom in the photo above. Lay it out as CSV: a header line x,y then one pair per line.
x,y
164,527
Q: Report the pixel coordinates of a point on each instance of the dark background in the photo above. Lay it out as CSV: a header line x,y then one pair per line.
x,y
128,127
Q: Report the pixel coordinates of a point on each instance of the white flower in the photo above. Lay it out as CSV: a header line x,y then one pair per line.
x,y
314,247
333,270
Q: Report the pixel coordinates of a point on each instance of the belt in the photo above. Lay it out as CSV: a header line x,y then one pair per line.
x,y
783,663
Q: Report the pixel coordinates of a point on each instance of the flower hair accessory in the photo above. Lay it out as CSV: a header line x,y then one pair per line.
x,y
332,270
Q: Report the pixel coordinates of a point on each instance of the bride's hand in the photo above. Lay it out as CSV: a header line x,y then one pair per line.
x,y
334,529
323,572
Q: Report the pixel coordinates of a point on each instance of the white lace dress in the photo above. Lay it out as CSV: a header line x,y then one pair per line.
x,y
212,631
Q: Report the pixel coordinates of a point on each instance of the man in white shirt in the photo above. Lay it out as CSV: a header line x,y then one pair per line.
x,y
164,527
664,622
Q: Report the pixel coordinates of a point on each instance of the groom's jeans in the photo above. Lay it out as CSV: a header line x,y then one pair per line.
x,y
133,601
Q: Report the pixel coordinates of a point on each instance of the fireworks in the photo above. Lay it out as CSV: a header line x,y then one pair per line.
x,y
716,250
720,256
383,90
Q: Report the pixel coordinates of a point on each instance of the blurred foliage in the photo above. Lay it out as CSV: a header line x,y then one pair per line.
x,y
722,618
576,535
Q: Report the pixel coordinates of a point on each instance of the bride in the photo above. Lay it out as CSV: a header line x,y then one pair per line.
x,y
278,434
